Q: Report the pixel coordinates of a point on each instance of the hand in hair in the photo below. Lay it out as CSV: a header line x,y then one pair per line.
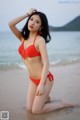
x,y
31,11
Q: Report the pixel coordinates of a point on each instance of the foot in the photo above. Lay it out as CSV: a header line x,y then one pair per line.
x,y
66,104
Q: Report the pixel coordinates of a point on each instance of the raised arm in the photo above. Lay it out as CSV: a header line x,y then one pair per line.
x,y
12,24
14,29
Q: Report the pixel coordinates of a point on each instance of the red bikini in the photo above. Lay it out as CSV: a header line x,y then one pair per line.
x,y
30,52
37,81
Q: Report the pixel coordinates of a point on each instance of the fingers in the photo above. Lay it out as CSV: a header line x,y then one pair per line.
x,y
32,10
39,93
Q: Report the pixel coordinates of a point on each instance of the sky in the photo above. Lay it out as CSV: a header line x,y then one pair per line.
x,y
58,12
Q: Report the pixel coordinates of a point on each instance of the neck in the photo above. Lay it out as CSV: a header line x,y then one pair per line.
x,y
32,34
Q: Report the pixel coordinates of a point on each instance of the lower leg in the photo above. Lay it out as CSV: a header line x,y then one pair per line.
x,y
55,106
44,104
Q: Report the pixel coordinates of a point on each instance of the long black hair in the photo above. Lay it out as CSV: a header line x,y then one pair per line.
x,y
45,27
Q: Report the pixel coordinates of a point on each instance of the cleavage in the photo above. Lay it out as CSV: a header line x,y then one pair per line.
x,y
26,46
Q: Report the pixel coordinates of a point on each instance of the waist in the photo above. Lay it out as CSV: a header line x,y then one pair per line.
x,y
49,76
35,73
34,67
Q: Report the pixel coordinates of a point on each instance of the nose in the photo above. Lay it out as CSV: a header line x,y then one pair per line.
x,y
33,22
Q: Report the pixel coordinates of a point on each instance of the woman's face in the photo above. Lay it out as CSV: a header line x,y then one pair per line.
x,y
34,23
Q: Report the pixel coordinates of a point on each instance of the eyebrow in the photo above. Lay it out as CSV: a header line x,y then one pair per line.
x,y
37,19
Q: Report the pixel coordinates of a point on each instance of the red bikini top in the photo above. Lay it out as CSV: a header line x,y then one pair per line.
x,y
30,51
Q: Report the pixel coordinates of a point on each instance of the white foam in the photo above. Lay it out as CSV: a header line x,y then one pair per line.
x,y
22,66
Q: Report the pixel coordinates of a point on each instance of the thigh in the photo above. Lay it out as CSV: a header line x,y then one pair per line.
x,y
31,94
40,100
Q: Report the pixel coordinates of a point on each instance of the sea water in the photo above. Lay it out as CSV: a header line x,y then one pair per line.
x,y
63,49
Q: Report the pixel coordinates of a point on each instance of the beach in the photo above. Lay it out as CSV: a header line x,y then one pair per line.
x,y
13,93
64,57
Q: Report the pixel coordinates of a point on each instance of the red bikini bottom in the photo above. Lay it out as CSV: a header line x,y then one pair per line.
x,y
37,81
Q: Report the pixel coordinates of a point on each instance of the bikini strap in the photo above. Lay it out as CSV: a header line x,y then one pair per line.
x,y
35,39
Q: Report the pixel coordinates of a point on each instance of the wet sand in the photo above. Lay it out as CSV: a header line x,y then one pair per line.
x,y
13,93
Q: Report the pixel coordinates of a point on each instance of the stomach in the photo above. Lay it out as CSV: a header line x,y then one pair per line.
x,y
34,66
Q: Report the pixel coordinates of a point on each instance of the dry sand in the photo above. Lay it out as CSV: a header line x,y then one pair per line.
x,y
13,92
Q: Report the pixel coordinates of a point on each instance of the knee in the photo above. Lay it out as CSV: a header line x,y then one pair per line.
x,y
36,110
28,107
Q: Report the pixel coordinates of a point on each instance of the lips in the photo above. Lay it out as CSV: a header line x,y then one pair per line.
x,y
31,27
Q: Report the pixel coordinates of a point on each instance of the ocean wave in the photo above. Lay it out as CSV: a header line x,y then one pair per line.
x,y
65,62
21,65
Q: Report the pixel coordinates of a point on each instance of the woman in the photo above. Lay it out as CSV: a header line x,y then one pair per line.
x,y
33,37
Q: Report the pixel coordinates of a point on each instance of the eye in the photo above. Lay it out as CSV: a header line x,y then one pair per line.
x,y
37,22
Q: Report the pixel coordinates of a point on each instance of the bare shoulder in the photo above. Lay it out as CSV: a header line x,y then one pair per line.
x,y
40,40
